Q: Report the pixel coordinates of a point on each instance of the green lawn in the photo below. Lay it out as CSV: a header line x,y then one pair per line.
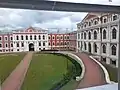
x,y
45,70
113,72
8,62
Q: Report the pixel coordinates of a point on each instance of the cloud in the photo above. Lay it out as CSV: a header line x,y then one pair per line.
x,y
14,18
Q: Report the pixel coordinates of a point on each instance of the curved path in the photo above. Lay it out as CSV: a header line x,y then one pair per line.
x,y
16,78
94,74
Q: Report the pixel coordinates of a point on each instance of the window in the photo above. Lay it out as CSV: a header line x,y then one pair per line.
x,y
105,20
65,43
89,35
114,33
11,45
81,35
39,43
0,45
67,37
113,48
85,45
6,45
17,49
84,35
53,37
95,22
43,37
43,43
95,47
30,37
64,37
61,37
0,38
6,38
104,34
11,38
49,37
49,43
26,37
35,37
89,23
57,37
104,59
104,48
114,17
17,37
113,62
39,37
22,44
53,43
57,43
78,36
22,37
95,34
17,44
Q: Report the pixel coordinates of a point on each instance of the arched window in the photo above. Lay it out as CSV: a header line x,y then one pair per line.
x,y
85,45
17,37
104,48
113,48
104,34
95,47
89,35
95,34
84,35
0,45
26,37
89,47
43,37
78,36
35,37
114,33
43,43
95,22
17,44
114,17
81,35
39,37
22,37
30,37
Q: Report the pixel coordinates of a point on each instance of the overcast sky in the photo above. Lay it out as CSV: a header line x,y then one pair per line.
x,y
19,18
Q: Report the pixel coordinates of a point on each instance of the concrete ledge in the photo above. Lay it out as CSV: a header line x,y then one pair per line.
x,y
104,70
79,61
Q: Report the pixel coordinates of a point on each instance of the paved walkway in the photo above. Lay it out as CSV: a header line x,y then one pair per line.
x,y
94,75
16,78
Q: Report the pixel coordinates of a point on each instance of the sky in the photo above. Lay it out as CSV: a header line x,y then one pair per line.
x,y
52,20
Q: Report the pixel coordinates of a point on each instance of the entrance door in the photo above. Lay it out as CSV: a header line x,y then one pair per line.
x,y
31,47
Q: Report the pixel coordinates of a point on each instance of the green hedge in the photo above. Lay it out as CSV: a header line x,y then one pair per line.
x,y
73,70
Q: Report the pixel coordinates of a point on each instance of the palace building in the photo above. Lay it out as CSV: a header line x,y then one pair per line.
x,y
35,39
98,34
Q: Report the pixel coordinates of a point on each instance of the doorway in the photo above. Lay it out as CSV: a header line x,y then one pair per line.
x,y
31,47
